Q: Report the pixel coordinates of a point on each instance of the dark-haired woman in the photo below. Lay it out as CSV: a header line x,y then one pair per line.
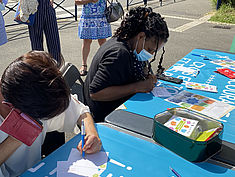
x,y
34,85
118,69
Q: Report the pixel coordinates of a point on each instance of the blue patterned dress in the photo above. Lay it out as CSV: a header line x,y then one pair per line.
x,y
93,23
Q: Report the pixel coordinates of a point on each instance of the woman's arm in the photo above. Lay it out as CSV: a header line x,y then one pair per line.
x,y
92,140
116,92
7,148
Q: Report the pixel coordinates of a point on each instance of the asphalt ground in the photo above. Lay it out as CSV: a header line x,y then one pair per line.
x,y
187,21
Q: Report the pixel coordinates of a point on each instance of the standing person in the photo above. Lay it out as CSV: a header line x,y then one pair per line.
x,y
118,69
33,85
93,25
45,21
3,35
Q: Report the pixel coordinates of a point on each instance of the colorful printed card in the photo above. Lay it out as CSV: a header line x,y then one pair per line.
x,y
228,63
227,72
182,125
204,105
200,86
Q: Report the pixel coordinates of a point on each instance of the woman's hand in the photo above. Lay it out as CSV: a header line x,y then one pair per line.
x,y
92,144
51,2
146,85
92,140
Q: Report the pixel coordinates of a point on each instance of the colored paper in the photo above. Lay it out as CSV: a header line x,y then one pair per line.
x,y
182,125
200,86
204,105
226,62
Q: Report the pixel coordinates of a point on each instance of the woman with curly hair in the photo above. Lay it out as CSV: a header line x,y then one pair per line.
x,y
119,69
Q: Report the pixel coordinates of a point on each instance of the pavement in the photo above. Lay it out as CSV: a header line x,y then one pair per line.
x,y
187,21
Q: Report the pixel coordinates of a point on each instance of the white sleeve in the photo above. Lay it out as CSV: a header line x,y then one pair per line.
x,y
67,121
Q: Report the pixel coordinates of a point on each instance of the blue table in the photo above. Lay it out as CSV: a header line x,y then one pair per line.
x,y
145,158
148,105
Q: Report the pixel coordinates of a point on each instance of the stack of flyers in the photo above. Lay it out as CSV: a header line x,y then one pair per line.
x,y
200,86
92,165
182,125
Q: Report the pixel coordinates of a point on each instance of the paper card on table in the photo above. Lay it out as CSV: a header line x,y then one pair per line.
x,y
92,165
200,86
77,168
66,169
97,159
160,92
63,168
228,63
205,105
227,72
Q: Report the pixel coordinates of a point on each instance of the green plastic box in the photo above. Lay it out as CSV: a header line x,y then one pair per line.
x,y
189,149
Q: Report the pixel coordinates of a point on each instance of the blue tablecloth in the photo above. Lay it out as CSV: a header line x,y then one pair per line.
x,y
144,158
201,60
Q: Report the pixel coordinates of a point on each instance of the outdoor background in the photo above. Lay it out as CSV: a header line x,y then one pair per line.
x,y
187,21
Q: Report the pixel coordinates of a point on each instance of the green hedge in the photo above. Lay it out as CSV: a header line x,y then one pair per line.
x,y
232,2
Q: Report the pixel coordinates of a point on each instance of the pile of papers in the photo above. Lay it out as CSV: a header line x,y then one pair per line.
x,y
75,166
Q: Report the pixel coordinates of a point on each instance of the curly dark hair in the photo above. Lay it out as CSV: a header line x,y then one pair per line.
x,y
142,19
33,84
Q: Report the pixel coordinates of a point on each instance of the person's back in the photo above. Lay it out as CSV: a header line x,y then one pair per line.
x,y
115,52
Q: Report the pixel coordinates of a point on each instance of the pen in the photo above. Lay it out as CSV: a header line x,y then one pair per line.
x,y
203,56
83,137
177,174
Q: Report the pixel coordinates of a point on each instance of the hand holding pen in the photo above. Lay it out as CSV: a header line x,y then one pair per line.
x,y
83,134
90,141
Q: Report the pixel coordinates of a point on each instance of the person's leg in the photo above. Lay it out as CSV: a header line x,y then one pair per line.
x,y
36,31
52,34
54,139
101,41
85,52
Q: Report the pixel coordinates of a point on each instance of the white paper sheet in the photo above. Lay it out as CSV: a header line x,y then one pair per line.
x,y
91,165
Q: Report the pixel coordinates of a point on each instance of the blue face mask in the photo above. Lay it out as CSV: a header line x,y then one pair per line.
x,y
143,55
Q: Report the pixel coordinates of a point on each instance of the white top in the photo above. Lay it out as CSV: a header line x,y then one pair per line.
x,y
27,156
27,7
3,35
